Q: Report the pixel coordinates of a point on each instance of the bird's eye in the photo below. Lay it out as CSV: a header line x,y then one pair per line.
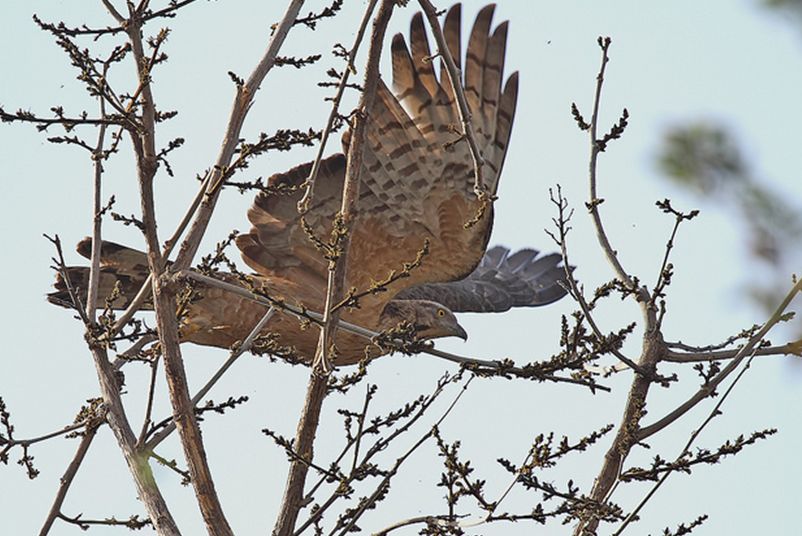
x,y
441,313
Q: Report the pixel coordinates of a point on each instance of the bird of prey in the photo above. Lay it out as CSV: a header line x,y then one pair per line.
x,y
416,188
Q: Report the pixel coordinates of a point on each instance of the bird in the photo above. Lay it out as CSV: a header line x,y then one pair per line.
x,y
416,195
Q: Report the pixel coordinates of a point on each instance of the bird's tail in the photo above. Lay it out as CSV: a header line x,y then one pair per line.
x,y
123,271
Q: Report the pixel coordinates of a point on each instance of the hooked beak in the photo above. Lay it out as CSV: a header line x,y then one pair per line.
x,y
462,334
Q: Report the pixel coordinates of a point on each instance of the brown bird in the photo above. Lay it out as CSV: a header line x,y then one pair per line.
x,y
416,189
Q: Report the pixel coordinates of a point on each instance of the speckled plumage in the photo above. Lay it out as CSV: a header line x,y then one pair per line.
x,y
416,186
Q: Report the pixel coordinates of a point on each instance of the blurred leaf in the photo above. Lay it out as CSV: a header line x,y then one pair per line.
x,y
788,5
705,158
702,156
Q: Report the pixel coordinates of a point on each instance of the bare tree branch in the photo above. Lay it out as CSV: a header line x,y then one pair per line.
x,y
561,222
97,220
652,348
147,489
633,515
69,475
164,296
303,204
318,380
720,355
596,146
146,289
382,487
242,104
464,111
710,386
241,349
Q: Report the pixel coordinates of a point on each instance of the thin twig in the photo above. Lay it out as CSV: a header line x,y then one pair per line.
x,y
44,437
69,474
429,520
303,204
244,347
318,379
595,201
133,351
710,386
172,465
242,104
379,446
382,487
97,218
360,426
146,422
464,111
573,287
62,269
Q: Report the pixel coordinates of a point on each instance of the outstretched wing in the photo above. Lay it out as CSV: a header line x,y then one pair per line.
x,y
417,184
500,282
122,272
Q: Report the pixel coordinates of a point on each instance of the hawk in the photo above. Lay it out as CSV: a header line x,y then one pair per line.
x,y
416,190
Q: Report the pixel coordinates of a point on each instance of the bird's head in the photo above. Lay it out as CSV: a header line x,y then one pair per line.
x,y
431,320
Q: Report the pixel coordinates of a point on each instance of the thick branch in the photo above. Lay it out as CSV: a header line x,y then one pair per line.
x,y
244,347
318,380
147,288
242,104
709,387
716,411
147,489
164,297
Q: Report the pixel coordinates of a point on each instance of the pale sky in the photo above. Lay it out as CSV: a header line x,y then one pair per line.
x,y
672,62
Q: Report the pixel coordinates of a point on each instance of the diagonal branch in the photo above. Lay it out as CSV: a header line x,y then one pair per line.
x,y
303,204
147,287
318,380
464,111
383,486
696,357
633,515
242,104
244,347
147,489
593,205
164,296
66,480
709,387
